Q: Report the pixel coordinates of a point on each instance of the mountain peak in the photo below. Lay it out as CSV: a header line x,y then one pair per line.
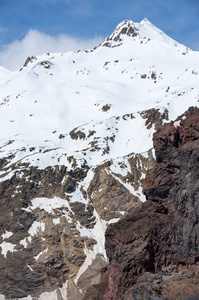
x,y
128,30
125,28
146,21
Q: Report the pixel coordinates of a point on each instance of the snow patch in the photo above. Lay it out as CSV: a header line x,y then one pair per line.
x,y
24,242
177,123
7,247
49,204
36,227
6,235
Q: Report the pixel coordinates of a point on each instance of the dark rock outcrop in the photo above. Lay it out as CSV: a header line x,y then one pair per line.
x,y
154,251
126,28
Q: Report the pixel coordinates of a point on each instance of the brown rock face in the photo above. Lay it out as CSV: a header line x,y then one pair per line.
x,y
164,231
44,260
108,194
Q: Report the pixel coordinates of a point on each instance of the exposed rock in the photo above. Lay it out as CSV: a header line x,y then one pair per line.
x,y
77,134
46,64
126,28
84,214
45,239
107,190
69,185
143,76
73,291
164,230
106,107
154,117
92,275
39,255
28,60
180,287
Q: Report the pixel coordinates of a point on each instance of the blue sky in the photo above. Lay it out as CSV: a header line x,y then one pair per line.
x,y
28,27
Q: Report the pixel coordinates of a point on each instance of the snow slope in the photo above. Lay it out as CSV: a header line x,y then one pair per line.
x,y
58,92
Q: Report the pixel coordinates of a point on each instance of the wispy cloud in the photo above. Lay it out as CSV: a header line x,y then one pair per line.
x,y
13,55
2,30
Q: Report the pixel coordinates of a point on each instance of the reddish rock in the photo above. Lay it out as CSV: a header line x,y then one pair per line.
x,y
164,231
179,287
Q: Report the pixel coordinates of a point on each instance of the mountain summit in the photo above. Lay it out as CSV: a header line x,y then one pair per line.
x,y
75,146
141,32
126,28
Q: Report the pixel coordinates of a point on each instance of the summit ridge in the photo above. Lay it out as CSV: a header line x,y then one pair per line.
x,y
137,31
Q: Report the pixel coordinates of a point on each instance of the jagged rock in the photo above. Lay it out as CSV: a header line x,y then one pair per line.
x,y
154,117
28,60
69,185
106,194
107,189
84,214
127,28
164,230
47,245
38,260
77,134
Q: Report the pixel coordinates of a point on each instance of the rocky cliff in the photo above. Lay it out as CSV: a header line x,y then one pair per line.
x,y
52,225
154,251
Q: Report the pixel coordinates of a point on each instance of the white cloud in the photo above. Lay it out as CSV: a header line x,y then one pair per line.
x,y
13,55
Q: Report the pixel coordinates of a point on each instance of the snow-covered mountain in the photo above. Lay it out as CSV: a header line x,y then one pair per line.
x,y
75,145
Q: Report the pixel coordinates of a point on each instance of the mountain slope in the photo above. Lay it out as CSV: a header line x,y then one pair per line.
x,y
153,252
75,147
55,93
